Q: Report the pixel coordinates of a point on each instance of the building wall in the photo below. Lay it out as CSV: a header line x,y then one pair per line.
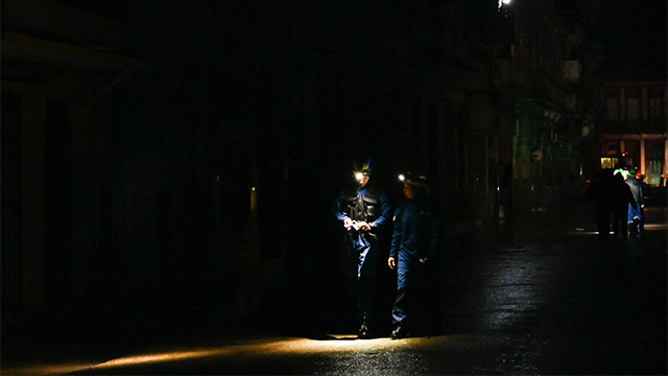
x,y
64,152
633,133
553,103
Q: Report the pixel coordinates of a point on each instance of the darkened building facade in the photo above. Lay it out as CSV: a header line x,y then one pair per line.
x,y
633,130
61,151
549,71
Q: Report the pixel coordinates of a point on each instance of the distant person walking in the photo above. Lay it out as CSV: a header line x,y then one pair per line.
x,y
634,216
611,198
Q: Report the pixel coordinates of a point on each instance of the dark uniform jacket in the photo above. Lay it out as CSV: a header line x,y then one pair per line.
x,y
366,204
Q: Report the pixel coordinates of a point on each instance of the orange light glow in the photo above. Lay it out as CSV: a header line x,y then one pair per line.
x,y
270,346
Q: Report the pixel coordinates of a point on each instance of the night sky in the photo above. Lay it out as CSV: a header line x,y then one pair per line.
x,y
633,34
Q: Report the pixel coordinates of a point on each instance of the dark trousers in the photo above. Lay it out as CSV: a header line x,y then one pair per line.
x,y
605,215
416,303
360,266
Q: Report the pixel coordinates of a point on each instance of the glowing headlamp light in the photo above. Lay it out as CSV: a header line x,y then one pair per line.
x,y
411,178
361,174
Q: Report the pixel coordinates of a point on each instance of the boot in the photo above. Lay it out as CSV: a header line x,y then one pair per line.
x,y
399,332
635,227
364,332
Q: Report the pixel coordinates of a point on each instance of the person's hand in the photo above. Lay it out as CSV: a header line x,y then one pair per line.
x,y
363,226
348,224
392,263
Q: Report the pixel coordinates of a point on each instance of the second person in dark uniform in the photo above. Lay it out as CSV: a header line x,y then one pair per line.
x,y
416,239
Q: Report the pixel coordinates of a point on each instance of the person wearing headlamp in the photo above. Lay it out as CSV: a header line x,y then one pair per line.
x,y
364,211
415,241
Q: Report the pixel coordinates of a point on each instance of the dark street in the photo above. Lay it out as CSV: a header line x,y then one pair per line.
x,y
329,187
553,301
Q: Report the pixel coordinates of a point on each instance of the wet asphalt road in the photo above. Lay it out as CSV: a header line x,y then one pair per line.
x,y
549,300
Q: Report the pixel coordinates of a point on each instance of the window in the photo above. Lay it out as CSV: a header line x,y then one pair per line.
x,y
609,162
612,105
654,156
631,154
611,148
655,103
633,104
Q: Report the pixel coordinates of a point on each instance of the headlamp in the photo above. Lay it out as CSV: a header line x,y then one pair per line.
x,y
364,170
413,178
360,174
